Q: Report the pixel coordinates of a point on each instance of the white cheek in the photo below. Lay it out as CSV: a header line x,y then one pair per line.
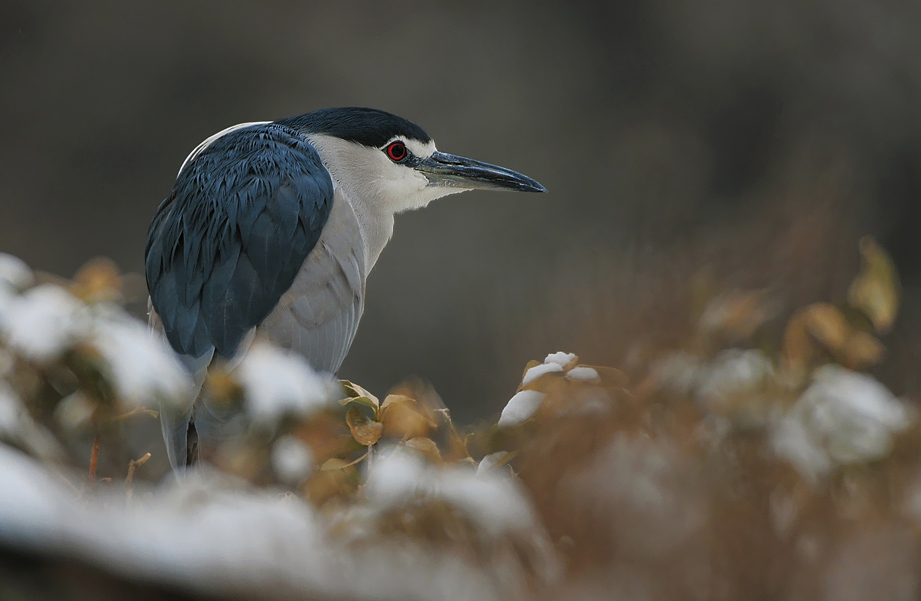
x,y
402,189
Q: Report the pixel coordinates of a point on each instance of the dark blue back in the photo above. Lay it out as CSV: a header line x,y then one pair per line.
x,y
230,238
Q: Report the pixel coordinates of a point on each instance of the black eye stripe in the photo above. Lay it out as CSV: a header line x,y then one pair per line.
x,y
396,151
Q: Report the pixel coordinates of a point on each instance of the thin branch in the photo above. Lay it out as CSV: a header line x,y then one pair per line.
x,y
138,411
94,457
133,465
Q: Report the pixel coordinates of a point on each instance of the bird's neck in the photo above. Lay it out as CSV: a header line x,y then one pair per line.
x,y
376,226
354,175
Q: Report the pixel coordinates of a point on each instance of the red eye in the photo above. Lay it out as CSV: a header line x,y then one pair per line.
x,y
396,151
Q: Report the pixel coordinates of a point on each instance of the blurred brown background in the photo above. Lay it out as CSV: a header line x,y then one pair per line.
x,y
745,142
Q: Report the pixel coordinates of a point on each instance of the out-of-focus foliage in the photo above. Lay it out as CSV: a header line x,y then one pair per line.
x,y
758,460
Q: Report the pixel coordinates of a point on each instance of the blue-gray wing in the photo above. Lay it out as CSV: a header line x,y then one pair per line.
x,y
318,316
225,246
229,240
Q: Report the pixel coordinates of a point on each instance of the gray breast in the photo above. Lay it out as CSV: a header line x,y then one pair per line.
x,y
318,316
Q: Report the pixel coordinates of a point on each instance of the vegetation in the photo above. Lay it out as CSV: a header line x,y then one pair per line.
x,y
759,460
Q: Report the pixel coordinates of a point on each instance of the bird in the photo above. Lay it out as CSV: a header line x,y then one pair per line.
x,y
270,231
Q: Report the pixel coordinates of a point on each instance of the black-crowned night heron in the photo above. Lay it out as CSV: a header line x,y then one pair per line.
x,y
271,230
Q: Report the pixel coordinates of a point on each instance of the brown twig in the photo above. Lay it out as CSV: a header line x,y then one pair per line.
x,y
138,411
94,457
133,465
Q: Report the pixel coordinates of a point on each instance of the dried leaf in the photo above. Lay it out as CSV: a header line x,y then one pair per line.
x,y
799,348
735,315
98,280
393,399
610,376
364,430
828,325
426,446
221,387
335,463
862,350
822,325
329,483
876,290
407,420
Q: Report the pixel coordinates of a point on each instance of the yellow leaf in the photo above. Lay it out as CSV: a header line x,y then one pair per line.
x,y
359,400
876,290
353,390
363,429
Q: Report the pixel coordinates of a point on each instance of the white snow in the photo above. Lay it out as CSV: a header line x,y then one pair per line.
x,y
733,372
14,271
277,382
677,372
495,503
490,461
583,374
140,366
42,322
292,460
560,358
843,417
217,538
793,442
520,408
540,370
74,412
395,478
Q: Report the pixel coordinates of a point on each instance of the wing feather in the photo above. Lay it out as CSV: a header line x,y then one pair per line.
x,y
229,240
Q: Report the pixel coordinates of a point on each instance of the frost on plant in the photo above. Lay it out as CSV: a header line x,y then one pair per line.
x,y
277,383
842,418
757,458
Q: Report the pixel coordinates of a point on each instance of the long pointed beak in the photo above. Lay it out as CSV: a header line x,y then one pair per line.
x,y
450,171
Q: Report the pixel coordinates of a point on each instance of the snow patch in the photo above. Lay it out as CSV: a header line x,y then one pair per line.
x,y
43,322
540,370
562,359
292,460
583,374
843,417
139,365
14,271
494,502
520,408
277,383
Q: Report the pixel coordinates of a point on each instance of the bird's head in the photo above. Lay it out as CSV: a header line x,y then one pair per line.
x,y
393,163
